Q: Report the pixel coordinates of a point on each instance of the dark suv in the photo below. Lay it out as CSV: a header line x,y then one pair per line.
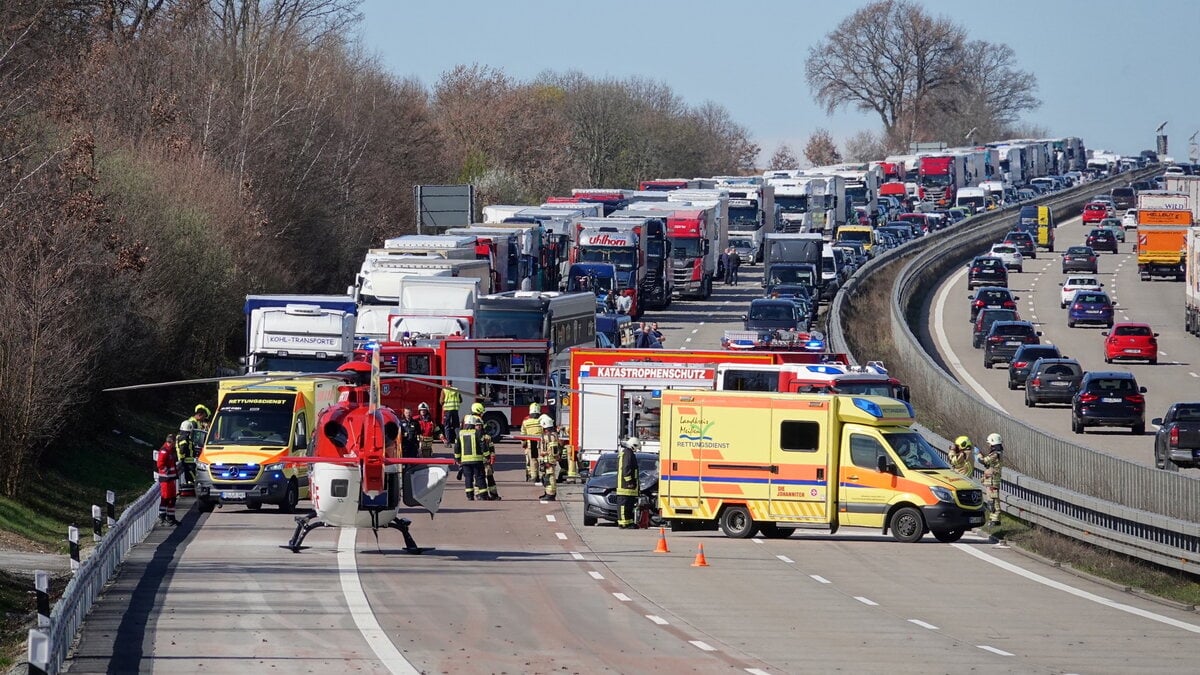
x,y
1052,381
1004,339
1023,359
987,317
1109,399
1023,241
986,270
987,297
1100,239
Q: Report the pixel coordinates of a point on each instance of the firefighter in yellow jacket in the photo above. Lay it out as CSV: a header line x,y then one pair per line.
x,y
530,427
471,455
549,458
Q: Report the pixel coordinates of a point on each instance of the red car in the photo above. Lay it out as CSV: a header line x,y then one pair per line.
x,y
1094,212
1131,341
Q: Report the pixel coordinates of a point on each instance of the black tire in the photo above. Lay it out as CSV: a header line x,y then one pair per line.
x,y
290,498
987,364
206,505
1070,324
589,521
736,523
253,506
1138,429
1012,385
774,531
1107,359
495,426
1160,462
949,536
1028,401
907,525
1076,426
1168,465
1154,362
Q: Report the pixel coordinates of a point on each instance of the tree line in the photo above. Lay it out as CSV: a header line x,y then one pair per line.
x,y
164,158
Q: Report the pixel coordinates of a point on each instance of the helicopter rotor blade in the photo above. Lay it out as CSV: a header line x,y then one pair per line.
x,y
436,381
258,379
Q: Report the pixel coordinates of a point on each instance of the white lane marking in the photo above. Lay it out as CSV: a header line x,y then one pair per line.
x,y
922,624
360,609
757,671
757,540
939,315
1078,592
866,601
560,535
786,559
622,597
702,645
695,330
658,620
550,518
595,575
818,578
1193,375
687,339
993,650
577,556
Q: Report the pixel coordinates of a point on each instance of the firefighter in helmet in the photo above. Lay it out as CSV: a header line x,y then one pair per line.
x,y
428,429
530,427
548,458
187,442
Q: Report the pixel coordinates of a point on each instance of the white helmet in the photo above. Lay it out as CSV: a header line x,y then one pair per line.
x,y
634,443
994,439
546,422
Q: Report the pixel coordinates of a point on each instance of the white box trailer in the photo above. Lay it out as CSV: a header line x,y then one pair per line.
x,y
432,245
1191,277
496,213
298,333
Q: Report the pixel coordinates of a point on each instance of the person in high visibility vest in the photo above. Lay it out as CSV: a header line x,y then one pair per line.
x,y
531,427
469,453
960,456
186,442
627,482
549,458
166,466
451,402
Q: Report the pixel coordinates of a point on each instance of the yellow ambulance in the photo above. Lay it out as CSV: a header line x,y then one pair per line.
x,y
255,426
751,463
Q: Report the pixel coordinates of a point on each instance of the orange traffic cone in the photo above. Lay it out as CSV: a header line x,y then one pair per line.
x,y
662,541
700,560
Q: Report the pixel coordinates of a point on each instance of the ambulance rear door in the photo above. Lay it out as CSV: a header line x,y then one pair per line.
x,y
599,418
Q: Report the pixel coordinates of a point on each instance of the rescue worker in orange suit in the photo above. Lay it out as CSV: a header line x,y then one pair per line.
x,y
469,453
531,427
428,429
627,483
167,468
186,445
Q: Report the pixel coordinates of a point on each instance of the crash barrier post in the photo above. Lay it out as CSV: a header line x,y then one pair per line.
x,y
1104,500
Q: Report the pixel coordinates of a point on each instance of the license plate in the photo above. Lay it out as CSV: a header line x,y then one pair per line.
x,y
1133,351
1059,384
1014,344
232,496
976,520
1110,400
1093,311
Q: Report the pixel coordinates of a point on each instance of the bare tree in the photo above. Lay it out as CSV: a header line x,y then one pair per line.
x,y
889,58
783,158
865,146
821,150
991,96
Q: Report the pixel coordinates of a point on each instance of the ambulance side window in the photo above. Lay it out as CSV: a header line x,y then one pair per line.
x,y
865,451
300,439
797,436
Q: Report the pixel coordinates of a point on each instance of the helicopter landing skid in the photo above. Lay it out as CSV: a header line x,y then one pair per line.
x,y
410,544
304,525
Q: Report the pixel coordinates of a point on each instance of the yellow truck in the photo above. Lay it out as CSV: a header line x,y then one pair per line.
x,y
255,426
752,463
862,234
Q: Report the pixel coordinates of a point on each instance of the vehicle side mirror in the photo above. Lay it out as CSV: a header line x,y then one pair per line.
x,y
1016,297
1156,335
1060,284
1101,285
903,393
1115,303
1141,390
1157,421
1038,333
1105,333
883,465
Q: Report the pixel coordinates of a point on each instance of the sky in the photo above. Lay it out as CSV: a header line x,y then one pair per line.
x,y
1109,72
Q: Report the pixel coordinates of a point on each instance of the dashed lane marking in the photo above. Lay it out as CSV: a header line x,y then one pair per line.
x,y
757,671
922,624
595,575
577,556
818,578
560,535
786,559
622,597
993,650
658,619
702,645
1193,374
550,518
866,601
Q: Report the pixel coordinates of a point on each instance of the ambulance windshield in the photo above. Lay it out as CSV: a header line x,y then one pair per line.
x,y
915,451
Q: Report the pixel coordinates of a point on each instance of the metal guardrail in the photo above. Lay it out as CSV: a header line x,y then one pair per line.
x,y
93,575
1110,502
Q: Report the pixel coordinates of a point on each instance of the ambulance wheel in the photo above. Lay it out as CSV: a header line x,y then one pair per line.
x,y
907,525
291,498
206,505
736,523
949,537
589,521
774,531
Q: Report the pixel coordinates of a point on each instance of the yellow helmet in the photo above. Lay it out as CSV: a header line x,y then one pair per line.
x,y
477,408
535,409
201,408
963,442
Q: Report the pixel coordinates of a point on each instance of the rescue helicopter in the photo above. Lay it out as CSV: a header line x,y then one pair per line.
x,y
358,478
